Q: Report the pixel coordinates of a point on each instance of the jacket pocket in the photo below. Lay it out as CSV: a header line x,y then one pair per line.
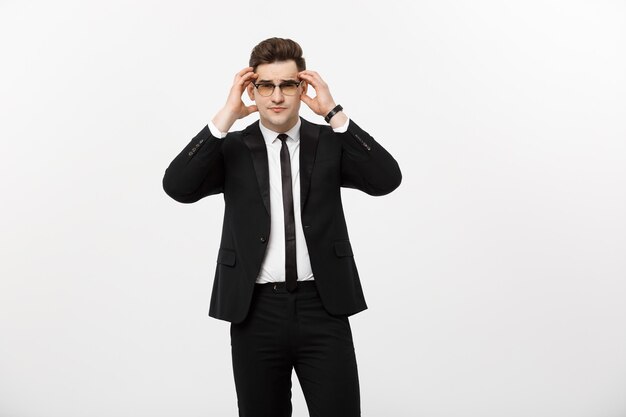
x,y
343,248
226,257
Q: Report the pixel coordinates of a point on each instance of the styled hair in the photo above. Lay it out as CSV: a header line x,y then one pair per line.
x,y
275,50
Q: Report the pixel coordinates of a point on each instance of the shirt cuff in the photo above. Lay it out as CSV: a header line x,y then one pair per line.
x,y
342,129
215,131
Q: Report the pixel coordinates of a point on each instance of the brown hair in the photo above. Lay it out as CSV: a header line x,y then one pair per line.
x,y
277,49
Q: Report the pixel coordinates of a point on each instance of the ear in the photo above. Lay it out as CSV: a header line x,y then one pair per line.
x,y
305,85
250,90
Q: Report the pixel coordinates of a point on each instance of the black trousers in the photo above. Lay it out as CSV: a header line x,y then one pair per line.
x,y
285,331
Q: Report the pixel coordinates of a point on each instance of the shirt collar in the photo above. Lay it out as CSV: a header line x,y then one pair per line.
x,y
270,136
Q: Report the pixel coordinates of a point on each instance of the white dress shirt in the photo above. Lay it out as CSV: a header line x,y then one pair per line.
x,y
273,266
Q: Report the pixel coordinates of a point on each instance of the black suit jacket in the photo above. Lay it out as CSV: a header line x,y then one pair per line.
x,y
237,166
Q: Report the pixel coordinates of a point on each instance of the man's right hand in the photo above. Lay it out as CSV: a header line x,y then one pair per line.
x,y
235,108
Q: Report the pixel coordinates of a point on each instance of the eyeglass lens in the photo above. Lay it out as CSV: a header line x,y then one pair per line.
x,y
288,89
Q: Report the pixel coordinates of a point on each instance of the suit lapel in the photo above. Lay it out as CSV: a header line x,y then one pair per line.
x,y
309,136
253,138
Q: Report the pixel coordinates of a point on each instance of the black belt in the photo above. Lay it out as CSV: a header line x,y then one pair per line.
x,y
280,287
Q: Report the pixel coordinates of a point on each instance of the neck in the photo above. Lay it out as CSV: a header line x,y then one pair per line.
x,y
279,128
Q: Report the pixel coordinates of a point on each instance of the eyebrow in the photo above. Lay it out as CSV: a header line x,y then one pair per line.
x,y
270,81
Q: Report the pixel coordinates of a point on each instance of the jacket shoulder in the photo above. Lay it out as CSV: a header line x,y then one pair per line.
x,y
252,128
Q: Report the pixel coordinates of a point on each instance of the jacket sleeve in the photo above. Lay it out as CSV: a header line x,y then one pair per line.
x,y
197,171
365,164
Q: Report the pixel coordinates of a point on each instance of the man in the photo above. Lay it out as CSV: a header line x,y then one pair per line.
x,y
286,277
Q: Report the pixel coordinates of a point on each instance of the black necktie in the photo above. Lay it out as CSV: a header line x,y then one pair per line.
x,y
291,271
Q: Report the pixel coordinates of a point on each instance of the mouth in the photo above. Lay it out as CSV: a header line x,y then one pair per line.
x,y
277,109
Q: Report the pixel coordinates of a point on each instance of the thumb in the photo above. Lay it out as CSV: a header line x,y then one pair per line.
x,y
307,100
252,108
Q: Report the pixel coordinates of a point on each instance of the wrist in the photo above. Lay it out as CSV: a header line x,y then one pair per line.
x,y
338,120
328,109
333,112
224,119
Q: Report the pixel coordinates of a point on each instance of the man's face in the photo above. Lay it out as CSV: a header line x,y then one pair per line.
x,y
278,112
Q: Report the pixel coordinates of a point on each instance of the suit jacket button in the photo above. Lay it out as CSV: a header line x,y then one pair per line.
x,y
262,239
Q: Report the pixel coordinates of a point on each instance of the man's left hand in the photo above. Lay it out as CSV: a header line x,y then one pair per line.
x,y
323,102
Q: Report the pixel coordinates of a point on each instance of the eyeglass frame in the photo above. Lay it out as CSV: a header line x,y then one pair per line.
x,y
297,83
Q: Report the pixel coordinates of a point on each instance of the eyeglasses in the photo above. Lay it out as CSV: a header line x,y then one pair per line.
x,y
288,88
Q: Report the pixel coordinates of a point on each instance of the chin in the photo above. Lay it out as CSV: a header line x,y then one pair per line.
x,y
278,119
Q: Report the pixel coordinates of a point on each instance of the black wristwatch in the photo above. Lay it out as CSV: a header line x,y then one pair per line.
x,y
333,112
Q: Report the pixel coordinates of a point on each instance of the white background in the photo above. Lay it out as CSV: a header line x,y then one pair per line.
x,y
495,275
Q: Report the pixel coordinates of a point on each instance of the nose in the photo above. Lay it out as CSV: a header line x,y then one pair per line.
x,y
277,95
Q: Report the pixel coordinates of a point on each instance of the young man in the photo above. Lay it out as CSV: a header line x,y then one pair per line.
x,y
286,277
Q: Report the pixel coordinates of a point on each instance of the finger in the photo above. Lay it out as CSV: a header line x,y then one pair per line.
x,y
247,78
247,83
251,109
243,71
308,79
312,79
249,75
305,74
307,100
311,74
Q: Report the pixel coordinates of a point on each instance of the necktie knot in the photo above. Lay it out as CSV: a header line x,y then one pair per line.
x,y
283,137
